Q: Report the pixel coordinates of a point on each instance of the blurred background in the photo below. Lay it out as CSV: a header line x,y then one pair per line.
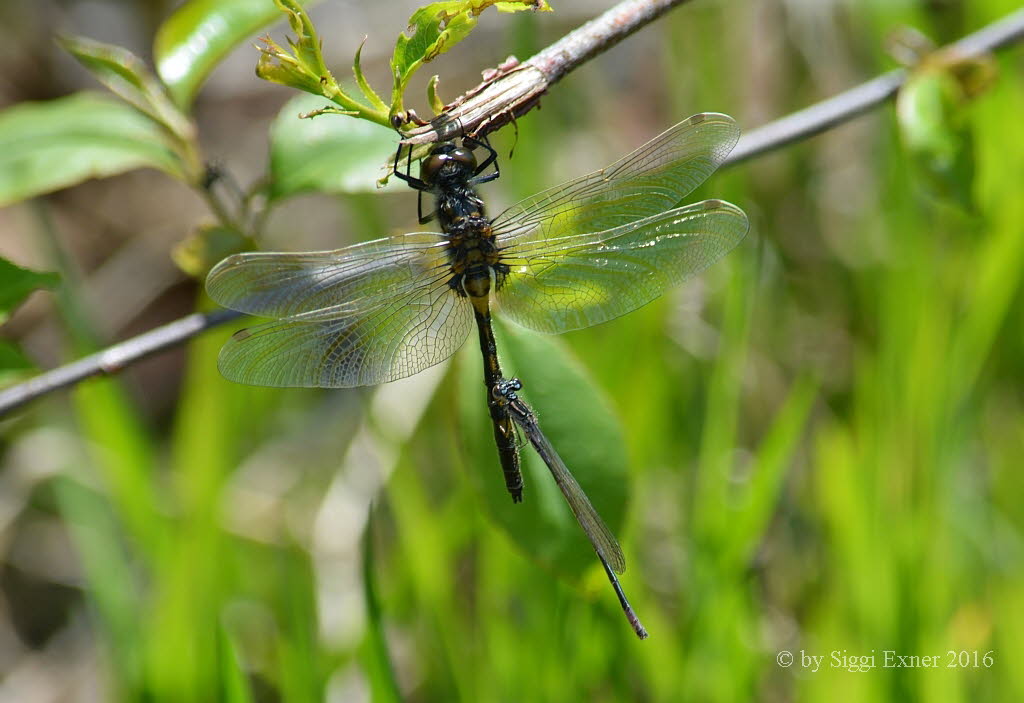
x,y
813,448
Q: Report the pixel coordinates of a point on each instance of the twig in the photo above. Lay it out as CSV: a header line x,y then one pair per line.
x,y
511,93
817,118
774,135
828,113
114,358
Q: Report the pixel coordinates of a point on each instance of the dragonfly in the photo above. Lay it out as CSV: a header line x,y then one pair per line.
x,y
505,394
569,257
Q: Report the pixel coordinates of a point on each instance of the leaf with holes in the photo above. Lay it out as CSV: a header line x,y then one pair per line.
x,y
436,28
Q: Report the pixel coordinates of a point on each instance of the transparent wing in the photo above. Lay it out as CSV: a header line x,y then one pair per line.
x,y
337,283
604,542
399,337
652,179
577,281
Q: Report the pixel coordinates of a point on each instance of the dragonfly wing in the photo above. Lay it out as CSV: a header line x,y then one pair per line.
x,y
398,338
577,281
652,179
339,283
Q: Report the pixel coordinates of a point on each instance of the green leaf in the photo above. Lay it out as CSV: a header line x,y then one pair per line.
x,y
368,92
436,28
939,147
50,145
108,571
377,664
14,365
199,34
436,103
327,153
197,254
16,283
232,674
304,67
12,359
756,500
578,420
932,112
130,79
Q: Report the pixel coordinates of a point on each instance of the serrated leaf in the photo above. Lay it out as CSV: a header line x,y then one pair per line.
x,y
128,77
16,283
306,45
50,145
303,67
278,66
435,101
199,34
368,92
578,420
328,153
436,28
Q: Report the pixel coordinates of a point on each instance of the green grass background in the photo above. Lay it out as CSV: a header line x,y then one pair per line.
x,y
821,444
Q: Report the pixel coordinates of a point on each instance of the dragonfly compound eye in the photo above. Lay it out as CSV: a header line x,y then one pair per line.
x,y
464,157
460,159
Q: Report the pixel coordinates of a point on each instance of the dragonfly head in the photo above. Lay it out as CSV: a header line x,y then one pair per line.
x,y
448,162
504,391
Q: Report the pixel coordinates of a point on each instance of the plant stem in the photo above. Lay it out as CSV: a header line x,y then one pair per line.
x,y
514,92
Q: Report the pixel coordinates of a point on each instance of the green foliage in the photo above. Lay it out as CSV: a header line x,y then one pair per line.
x,y
50,145
13,363
327,155
435,29
814,447
303,67
208,245
932,108
130,79
193,40
17,282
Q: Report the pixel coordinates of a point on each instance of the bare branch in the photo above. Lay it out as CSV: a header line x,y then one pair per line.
x,y
774,135
508,93
840,108
114,358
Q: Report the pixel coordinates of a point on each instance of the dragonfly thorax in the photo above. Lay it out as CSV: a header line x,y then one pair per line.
x,y
472,253
473,256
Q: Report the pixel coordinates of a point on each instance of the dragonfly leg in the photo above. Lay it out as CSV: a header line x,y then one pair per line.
x,y
417,183
492,158
413,182
424,219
